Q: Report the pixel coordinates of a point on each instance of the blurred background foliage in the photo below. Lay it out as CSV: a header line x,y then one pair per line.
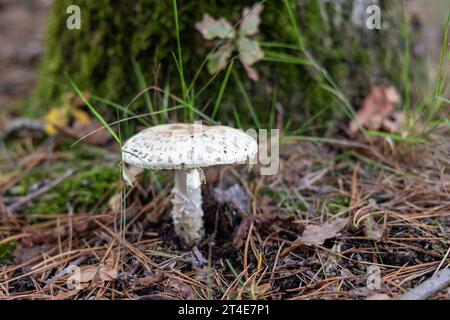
x,y
99,57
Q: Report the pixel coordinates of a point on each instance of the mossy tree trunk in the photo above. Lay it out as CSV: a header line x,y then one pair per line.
x,y
98,57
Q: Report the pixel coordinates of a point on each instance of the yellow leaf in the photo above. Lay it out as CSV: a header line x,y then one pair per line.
x,y
81,116
56,116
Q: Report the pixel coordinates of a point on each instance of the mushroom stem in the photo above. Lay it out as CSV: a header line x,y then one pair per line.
x,y
187,213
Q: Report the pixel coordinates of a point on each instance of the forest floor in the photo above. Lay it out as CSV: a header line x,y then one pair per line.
x,y
337,215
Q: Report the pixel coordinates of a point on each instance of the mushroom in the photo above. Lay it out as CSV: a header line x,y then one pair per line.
x,y
186,148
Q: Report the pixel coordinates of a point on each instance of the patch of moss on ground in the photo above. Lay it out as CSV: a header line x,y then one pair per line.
x,y
6,250
82,192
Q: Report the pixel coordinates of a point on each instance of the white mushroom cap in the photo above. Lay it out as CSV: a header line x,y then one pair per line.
x,y
187,146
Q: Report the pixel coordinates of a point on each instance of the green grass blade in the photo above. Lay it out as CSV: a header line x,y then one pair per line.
x,y
284,58
94,111
142,85
222,90
247,101
118,107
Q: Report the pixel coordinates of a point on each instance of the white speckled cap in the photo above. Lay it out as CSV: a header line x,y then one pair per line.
x,y
187,146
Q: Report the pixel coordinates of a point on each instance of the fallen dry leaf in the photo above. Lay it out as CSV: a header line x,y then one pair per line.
x,y
394,122
81,130
106,272
115,202
261,289
181,288
372,229
316,235
375,109
152,279
55,117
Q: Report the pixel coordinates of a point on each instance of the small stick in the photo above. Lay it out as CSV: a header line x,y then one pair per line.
x,y
21,124
36,194
430,287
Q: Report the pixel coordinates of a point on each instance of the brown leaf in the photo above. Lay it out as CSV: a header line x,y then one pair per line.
x,y
262,289
79,130
377,106
372,229
394,122
152,279
106,272
181,288
115,202
316,235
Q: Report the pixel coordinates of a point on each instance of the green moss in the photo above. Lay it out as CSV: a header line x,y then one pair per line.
x,y
81,192
6,250
98,57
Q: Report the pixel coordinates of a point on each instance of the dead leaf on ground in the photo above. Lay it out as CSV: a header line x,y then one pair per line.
x,y
86,273
394,122
82,130
181,288
115,202
372,229
152,279
316,235
376,109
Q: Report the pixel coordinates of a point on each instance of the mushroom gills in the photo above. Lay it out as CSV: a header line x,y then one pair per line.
x,y
187,213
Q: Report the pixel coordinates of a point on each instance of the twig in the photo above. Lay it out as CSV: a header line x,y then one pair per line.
x,y
429,287
36,194
21,124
